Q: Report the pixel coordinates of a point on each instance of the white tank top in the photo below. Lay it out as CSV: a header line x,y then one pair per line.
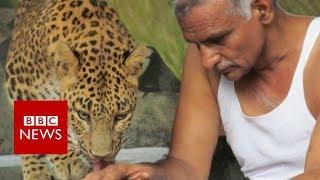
x,y
274,145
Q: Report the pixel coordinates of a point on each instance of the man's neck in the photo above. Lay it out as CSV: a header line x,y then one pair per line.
x,y
279,46
275,47
282,48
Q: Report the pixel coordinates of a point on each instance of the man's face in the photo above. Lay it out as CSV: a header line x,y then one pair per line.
x,y
229,43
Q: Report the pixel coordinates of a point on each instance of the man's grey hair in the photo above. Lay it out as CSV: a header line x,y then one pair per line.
x,y
242,7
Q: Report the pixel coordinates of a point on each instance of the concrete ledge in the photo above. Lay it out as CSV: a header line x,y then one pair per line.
x,y
144,154
134,155
9,161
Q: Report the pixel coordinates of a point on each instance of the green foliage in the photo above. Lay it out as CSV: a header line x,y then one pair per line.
x,y
306,7
153,22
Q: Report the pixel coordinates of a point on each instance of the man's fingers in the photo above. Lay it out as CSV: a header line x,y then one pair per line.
x,y
140,176
141,172
112,172
124,171
97,175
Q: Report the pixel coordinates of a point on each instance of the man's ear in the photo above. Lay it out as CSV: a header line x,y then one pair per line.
x,y
136,63
65,62
265,9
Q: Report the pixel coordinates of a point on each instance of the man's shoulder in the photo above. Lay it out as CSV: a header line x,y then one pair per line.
x,y
194,72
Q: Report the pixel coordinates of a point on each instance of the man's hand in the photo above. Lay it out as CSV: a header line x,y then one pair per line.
x,y
125,171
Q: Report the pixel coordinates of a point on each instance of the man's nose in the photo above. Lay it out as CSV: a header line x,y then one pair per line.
x,y
209,57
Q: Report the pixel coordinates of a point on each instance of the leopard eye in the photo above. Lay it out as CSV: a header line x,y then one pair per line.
x,y
121,116
83,115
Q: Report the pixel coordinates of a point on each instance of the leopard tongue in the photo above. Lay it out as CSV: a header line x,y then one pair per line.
x,y
99,164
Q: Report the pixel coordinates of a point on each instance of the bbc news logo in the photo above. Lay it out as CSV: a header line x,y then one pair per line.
x,y
35,134
40,127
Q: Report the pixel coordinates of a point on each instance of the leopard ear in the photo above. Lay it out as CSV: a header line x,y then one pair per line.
x,y
136,63
66,63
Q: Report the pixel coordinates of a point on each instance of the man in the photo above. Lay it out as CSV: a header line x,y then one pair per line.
x,y
253,67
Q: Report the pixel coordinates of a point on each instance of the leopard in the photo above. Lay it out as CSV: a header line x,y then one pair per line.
x,y
81,52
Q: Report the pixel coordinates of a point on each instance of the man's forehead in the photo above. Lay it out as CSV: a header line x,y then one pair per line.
x,y
183,4
214,25
215,8
202,22
204,16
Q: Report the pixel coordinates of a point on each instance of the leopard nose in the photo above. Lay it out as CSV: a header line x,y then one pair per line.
x,y
99,157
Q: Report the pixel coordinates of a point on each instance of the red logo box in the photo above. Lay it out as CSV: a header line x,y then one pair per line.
x,y
40,127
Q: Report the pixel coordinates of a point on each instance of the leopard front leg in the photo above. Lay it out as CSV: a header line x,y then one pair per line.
x,y
73,165
35,167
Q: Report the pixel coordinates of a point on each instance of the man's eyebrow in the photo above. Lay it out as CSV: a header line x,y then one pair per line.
x,y
216,35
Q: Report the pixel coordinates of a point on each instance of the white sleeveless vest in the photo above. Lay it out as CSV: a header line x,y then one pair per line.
x,y
274,145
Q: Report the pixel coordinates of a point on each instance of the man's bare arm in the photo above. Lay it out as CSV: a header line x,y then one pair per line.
x,y
197,121
312,88
312,164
